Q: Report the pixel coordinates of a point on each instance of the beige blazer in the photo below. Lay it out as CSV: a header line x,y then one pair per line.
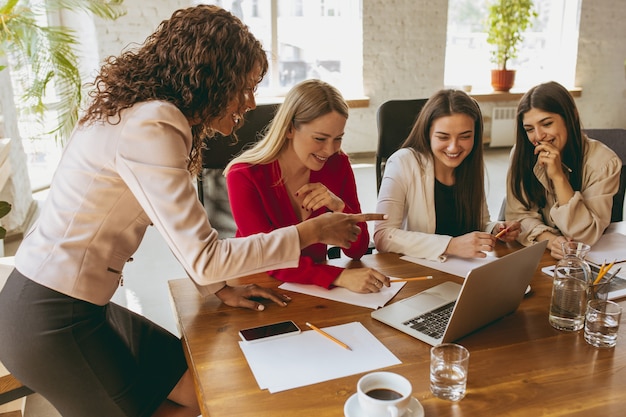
x,y
407,196
115,180
586,215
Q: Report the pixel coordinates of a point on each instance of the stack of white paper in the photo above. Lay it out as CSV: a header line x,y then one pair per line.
x,y
309,357
372,300
453,265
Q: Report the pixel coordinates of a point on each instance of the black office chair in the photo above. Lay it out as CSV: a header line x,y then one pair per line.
x,y
395,119
219,152
616,140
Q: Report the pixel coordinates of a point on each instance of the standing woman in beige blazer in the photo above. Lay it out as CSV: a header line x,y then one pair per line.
x,y
132,163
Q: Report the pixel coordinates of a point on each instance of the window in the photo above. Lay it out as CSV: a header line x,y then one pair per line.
x,y
548,52
306,39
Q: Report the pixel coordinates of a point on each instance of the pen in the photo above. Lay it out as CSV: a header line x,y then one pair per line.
x,y
502,232
568,169
323,333
411,279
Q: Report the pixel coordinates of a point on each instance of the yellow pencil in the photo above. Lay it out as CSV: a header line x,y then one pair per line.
x,y
411,279
603,272
323,333
502,232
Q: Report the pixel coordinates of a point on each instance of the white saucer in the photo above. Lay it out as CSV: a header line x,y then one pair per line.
x,y
352,408
527,290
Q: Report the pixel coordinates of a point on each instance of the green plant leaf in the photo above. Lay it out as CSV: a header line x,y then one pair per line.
x,y
505,24
5,208
44,55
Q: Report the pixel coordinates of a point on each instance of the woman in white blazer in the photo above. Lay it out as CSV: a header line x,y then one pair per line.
x,y
433,187
129,164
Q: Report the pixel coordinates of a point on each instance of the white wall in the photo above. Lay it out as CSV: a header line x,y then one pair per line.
x,y
404,49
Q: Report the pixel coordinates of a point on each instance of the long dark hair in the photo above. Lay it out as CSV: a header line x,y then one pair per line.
x,y
470,174
550,97
198,60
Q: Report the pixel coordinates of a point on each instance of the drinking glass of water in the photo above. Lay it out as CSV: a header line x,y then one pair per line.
x,y
448,371
602,323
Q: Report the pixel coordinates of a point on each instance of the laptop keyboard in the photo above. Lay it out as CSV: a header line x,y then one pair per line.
x,y
432,323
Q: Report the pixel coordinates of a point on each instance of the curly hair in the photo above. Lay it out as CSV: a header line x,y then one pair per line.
x,y
199,60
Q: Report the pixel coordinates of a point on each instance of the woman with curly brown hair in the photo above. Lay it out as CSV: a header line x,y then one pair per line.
x,y
131,163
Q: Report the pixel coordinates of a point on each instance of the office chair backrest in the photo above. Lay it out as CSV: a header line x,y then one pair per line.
x,y
221,150
395,119
616,140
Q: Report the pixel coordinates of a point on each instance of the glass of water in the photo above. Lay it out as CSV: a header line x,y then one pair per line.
x,y
602,323
448,371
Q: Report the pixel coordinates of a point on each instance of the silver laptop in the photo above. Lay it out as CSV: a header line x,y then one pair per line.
x,y
449,311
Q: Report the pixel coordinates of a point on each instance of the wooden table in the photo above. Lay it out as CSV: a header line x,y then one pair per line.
x,y
519,365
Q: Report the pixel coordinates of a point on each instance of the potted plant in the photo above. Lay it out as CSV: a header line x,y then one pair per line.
x,y
506,22
41,54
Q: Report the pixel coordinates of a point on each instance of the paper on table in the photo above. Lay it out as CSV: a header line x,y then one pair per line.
x,y
308,358
371,300
610,247
454,265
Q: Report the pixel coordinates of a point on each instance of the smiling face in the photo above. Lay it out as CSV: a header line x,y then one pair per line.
x,y
313,143
235,109
542,126
451,141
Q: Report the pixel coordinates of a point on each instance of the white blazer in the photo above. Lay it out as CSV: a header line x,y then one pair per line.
x,y
407,196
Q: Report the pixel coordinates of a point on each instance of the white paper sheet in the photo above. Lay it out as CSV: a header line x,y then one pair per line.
x,y
453,265
611,247
308,358
371,300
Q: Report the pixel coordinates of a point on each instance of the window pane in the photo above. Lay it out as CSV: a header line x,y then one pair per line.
x,y
548,52
306,39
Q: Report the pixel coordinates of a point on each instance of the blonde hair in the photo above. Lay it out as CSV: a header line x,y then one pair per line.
x,y
304,103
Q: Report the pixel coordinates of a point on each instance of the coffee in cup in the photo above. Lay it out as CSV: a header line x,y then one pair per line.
x,y
384,394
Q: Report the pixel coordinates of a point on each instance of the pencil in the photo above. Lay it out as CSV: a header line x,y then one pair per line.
x,y
323,333
568,169
411,279
603,272
502,232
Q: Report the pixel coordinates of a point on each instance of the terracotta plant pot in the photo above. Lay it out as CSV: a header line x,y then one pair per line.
x,y
502,80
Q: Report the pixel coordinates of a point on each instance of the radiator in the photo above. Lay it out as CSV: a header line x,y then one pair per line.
x,y
503,126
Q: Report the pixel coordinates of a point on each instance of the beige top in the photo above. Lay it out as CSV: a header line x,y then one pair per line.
x,y
407,196
115,180
586,215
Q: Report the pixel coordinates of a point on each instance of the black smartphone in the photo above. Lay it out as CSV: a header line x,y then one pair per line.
x,y
270,331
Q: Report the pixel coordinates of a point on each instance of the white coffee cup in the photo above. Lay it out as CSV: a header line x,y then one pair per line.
x,y
384,394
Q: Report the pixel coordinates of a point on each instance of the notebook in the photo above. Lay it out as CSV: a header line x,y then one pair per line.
x,y
449,311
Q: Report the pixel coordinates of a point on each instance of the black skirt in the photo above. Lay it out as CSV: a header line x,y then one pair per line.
x,y
86,359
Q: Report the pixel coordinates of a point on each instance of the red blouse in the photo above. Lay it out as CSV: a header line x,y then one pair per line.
x,y
260,204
